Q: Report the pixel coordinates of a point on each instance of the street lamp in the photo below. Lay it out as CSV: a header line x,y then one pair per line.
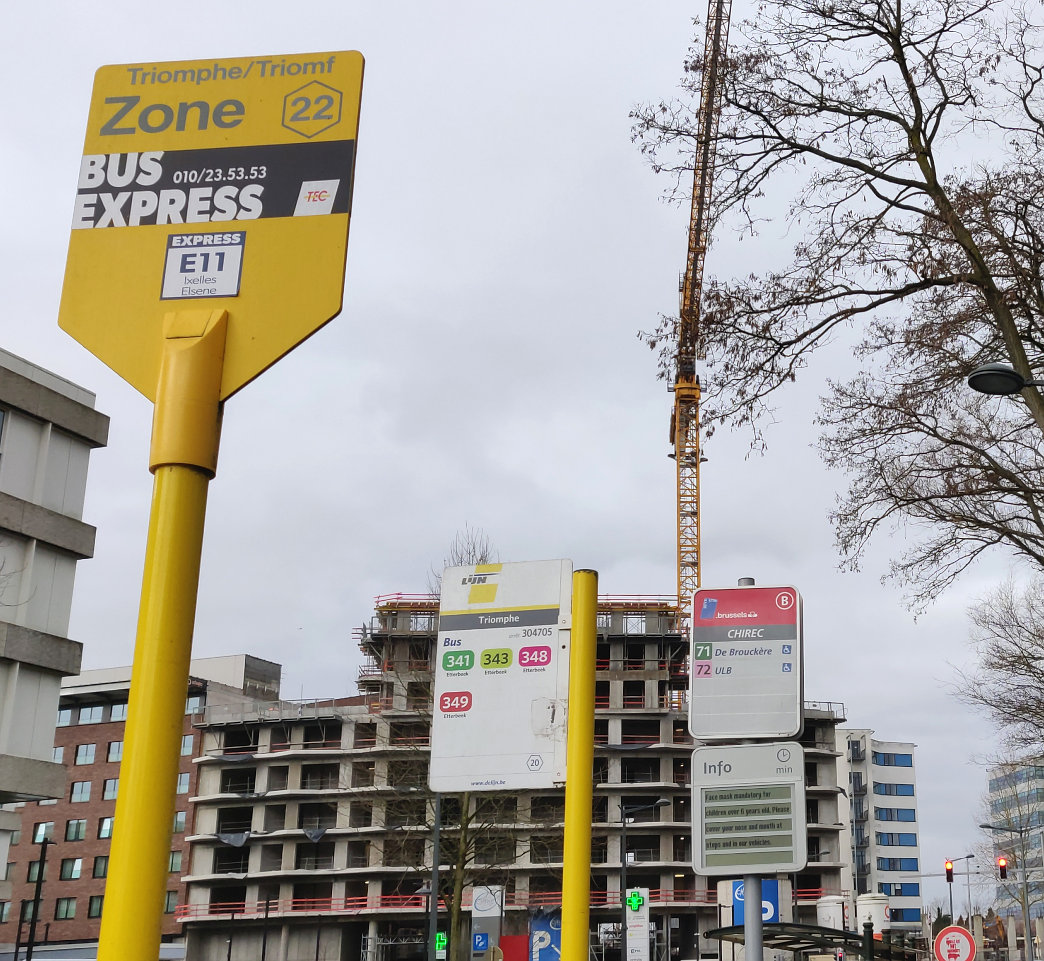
x,y
1021,831
999,380
625,813
45,842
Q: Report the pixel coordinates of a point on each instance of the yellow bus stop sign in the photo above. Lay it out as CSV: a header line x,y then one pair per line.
x,y
217,184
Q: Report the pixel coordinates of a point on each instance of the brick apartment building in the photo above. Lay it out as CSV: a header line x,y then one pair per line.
x,y
88,740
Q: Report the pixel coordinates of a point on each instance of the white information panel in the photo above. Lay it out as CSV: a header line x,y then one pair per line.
x,y
501,677
748,809
746,673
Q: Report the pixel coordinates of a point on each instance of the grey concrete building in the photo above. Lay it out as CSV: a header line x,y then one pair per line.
x,y
48,427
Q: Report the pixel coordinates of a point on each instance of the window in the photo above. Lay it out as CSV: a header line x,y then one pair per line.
x,y
57,753
94,905
33,871
71,868
101,866
76,829
183,782
905,914
105,827
901,840
44,802
5,912
91,714
65,909
194,704
64,717
897,864
115,751
186,745
80,792
118,712
43,829
85,754
179,822
892,760
16,837
175,861
908,890
895,814
170,902
902,790
110,788
7,871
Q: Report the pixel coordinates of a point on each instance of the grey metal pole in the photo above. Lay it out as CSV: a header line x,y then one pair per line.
x,y
752,932
623,882
433,898
1027,924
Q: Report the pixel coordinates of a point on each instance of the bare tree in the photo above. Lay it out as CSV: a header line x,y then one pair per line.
x,y
1007,682
470,546
900,142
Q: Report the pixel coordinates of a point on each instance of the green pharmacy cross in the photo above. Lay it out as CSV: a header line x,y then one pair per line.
x,y
635,900
440,940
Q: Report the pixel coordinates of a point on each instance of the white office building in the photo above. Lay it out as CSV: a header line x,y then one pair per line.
x,y
886,856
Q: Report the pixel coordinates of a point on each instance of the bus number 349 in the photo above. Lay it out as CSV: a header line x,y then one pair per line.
x,y
455,701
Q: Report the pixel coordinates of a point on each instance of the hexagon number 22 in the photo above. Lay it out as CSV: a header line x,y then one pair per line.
x,y
311,109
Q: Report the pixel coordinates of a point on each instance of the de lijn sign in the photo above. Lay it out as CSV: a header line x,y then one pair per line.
x,y
501,677
748,803
746,678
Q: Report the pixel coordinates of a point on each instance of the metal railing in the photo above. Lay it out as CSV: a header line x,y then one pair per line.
x,y
220,911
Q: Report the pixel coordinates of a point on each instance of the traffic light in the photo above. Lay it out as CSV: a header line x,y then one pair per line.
x,y
1002,868
949,871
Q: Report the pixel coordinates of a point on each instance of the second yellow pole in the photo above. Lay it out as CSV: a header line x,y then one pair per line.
x,y
576,858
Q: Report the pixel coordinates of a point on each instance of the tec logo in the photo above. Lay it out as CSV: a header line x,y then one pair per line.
x,y
316,197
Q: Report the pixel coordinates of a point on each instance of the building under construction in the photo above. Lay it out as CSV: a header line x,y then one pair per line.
x,y
313,820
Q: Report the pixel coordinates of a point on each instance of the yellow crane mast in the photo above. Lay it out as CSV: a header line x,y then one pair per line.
x,y
685,419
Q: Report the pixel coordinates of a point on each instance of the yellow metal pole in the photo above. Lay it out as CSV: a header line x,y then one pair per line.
x,y
183,458
576,857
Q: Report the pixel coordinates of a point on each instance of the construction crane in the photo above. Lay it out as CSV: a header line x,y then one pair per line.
x,y
685,419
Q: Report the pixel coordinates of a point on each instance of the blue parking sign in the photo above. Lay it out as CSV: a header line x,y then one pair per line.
x,y
480,942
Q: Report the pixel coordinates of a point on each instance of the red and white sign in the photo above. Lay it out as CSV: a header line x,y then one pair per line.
x,y
746,665
954,944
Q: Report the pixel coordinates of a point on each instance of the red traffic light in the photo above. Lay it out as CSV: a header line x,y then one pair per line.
x,y
949,871
1002,867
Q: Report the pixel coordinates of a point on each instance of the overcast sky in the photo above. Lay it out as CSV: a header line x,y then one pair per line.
x,y
507,242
